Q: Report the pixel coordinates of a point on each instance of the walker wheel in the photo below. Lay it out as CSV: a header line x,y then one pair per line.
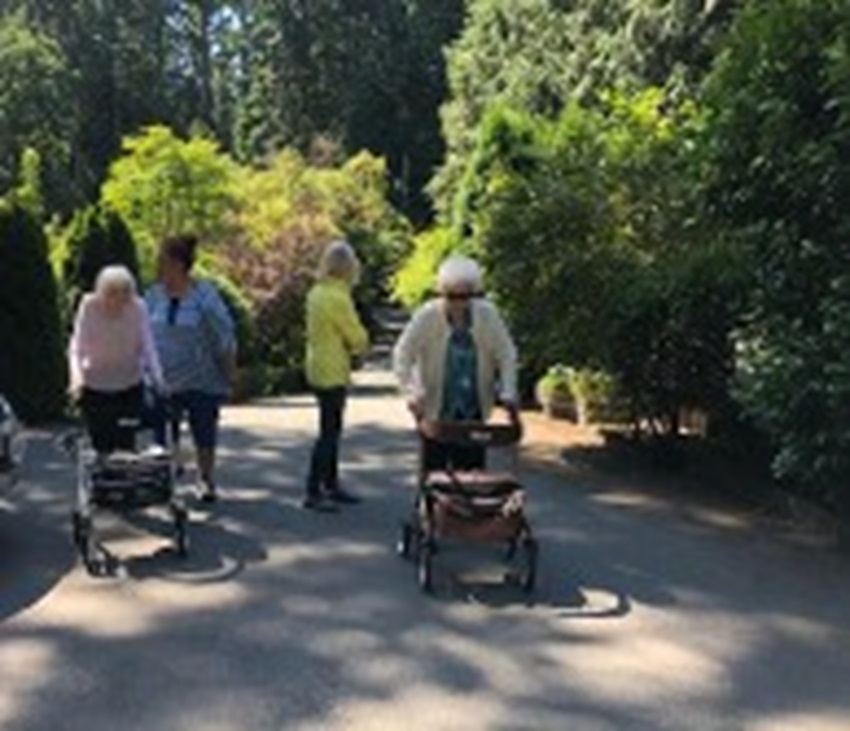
x,y
181,531
404,545
532,554
81,535
426,568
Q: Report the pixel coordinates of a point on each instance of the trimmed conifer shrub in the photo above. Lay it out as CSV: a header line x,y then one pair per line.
x,y
32,361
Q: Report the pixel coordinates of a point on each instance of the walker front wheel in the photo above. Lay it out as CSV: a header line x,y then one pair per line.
x,y
404,545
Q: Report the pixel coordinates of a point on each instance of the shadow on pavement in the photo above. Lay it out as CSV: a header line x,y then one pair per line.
x,y
285,619
35,547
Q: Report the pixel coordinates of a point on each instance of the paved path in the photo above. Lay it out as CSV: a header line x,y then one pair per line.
x,y
287,620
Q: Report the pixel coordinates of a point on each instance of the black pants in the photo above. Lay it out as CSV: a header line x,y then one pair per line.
x,y
324,464
103,412
437,457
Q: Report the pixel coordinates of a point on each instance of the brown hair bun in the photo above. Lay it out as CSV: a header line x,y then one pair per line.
x,y
180,248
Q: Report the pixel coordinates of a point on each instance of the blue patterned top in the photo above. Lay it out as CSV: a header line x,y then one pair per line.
x,y
461,401
191,334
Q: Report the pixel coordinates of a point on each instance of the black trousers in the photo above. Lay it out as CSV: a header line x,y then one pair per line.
x,y
103,412
324,463
437,457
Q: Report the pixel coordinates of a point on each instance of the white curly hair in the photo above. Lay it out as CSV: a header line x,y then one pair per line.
x,y
460,271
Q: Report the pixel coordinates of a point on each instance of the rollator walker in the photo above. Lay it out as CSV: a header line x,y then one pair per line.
x,y
123,482
476,506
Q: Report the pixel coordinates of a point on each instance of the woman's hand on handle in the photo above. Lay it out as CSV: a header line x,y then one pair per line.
x,y
416,406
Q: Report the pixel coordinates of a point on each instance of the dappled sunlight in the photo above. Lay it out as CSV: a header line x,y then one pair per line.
x,y
439,710
300,556
628,499
639,670
285,619
25,665
818,719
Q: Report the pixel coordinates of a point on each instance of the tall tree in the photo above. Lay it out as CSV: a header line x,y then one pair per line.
x,y
537,55
367,75
34,105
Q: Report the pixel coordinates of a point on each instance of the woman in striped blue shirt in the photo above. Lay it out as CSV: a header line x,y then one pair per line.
x,y
195,338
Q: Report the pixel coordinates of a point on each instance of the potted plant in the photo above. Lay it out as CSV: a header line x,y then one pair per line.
x,y
554,394
594,394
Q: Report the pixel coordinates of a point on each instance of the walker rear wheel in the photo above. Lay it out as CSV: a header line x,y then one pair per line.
x,y
426,567
531,550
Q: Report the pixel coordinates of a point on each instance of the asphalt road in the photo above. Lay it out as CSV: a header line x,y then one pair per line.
x,y
644,618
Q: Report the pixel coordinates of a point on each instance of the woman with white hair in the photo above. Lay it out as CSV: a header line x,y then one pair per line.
x,y
452,357
334,335
111,352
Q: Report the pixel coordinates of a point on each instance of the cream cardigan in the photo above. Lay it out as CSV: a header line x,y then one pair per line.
x,y
419,356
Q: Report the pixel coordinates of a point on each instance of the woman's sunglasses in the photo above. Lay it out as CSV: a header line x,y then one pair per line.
x,y
461,296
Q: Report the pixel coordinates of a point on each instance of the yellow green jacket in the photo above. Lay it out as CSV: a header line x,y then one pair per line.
x,y
334,334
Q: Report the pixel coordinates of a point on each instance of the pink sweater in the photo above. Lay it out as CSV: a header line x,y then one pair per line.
x,y
110,353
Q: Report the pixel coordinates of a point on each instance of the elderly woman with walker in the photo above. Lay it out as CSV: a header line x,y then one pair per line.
x,y
450,359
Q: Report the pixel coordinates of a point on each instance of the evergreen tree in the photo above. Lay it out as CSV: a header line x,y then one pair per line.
x,y
32,364
98,237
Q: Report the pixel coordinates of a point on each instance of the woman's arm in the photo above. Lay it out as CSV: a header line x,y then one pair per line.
x,y
353,332
506,358
78,346
218,318
150,355
406,354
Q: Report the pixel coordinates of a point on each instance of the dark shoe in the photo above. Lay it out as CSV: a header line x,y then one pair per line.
x,y
208,492
318,503
343,497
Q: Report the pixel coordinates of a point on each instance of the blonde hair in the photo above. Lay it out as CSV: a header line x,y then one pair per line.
x,y
459,270
115,277
339,261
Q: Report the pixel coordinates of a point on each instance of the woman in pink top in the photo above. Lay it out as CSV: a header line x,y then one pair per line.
x,y
111,352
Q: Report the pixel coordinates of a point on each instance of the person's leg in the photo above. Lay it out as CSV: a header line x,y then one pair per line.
x,y
99,418
332,430
335,416
204,411
322,448
128,408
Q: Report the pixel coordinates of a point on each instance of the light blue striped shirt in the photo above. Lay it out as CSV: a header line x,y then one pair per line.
x,y
191,335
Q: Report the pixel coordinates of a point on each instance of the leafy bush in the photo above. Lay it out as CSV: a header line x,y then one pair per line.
x,y
779,122
553,393
274,280
414,282
164,185
586,227
32,369
584,395
595,395
347,200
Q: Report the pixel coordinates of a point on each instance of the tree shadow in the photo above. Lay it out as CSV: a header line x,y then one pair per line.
x,y
286,619
35,547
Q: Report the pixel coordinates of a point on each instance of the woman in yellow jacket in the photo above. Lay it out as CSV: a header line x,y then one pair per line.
x,y
334,335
